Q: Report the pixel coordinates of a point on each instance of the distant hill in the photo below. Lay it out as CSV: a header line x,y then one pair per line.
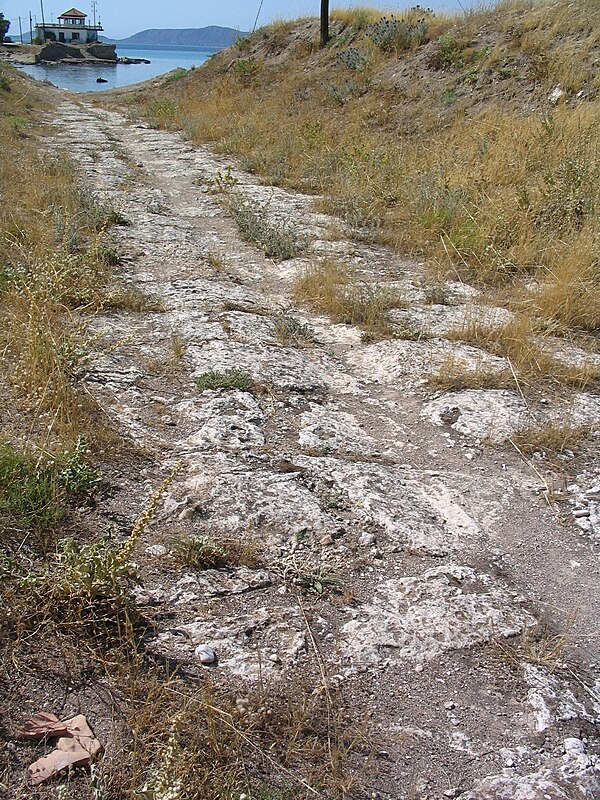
x,y
212,36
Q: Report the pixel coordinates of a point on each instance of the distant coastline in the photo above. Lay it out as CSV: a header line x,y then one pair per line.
x,y
212,37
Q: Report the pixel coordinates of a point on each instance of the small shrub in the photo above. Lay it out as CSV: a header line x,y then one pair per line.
x,y
230,379
203,552
34,490
160,112
330,288
176,75
289,331
342,92
447,53
100,214
246,70
84,583
4,82
392,34
278,240
353,59
17,125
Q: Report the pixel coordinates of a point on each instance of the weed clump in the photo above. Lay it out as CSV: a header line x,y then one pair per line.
x,y
331,288
291,332
231,379
553,438
393,34
84,583
278,240
205,552
34,490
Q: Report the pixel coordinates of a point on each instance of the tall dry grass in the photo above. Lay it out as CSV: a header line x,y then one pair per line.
x,y
495,184
53,265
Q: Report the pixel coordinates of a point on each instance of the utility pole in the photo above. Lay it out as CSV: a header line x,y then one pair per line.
x,y
324,22
30,29
43,21
94,6
20,30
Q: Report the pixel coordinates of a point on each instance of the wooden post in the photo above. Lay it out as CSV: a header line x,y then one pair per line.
x,y
43,20
324,22
21,30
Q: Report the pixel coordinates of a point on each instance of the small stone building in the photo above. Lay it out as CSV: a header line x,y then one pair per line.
x,y
72,28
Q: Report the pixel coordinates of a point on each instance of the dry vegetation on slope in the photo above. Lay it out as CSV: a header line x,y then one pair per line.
x,y
471,140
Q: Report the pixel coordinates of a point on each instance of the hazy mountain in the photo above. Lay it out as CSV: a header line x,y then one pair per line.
x,y
212,36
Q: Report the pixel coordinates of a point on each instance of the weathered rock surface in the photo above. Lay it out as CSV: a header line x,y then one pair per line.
x,y
406,550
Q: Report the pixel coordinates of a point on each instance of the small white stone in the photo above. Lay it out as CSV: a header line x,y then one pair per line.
x,y
366,540
156,550
574,746
206,654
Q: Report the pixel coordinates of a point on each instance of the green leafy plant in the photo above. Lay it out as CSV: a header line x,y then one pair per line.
x,y
84,582
278,240
318,581
230,379
34,490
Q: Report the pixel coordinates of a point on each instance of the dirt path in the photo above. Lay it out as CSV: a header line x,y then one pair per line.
x,y
344,466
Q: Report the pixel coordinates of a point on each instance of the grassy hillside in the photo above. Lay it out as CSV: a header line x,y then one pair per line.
x,y
470,140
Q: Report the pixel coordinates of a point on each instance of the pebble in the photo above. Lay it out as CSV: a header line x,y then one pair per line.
x,y
575,746
327,540
156,550
366,540
206,654
580,513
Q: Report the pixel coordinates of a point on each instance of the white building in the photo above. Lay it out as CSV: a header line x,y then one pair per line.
x,y
71,28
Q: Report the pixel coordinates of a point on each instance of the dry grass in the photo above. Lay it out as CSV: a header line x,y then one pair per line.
x,y
331,288
519,342
211,552
454,375
553,438
53,267
272,742
496,195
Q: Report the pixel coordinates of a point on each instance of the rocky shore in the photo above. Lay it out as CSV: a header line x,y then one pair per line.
x,y
61,53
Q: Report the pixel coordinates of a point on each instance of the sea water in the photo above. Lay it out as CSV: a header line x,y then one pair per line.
x,y
82,77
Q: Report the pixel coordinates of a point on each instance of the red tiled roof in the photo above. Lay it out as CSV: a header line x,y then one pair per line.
x,y
73,12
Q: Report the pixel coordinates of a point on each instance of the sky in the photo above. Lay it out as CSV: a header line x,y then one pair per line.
x,y
122,18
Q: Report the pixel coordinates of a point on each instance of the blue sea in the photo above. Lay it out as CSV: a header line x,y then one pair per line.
x,y
82,77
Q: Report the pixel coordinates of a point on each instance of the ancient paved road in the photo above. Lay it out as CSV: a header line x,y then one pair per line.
x,y
344,465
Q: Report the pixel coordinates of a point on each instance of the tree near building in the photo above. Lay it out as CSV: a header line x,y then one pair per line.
x,y
4,26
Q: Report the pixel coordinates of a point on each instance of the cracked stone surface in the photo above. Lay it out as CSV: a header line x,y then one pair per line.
x,y
400,536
